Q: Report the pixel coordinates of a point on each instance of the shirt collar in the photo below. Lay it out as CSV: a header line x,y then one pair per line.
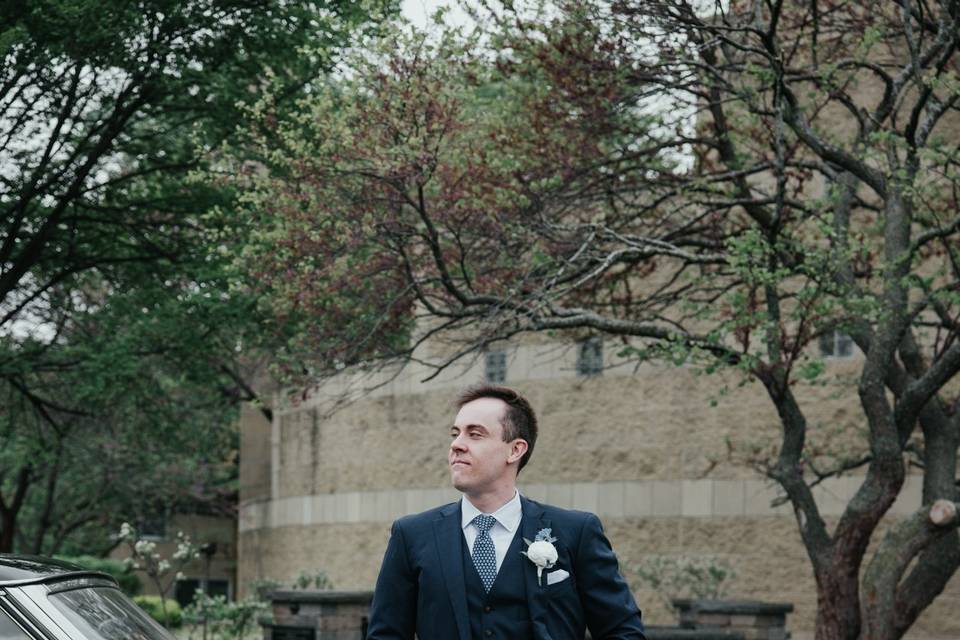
x,y
509,515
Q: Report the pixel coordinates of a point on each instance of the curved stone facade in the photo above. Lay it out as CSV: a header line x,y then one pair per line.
x,y
661,454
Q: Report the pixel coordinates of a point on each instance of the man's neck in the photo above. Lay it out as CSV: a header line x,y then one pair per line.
x,y
490,502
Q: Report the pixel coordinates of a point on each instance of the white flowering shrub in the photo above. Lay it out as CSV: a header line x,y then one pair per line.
x,y
145,557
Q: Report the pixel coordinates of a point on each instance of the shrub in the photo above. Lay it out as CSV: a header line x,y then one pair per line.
x,y
223,620
316,580
153,605
685,576
130,582
263,587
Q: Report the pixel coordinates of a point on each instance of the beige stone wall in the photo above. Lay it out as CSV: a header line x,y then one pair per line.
x,y
658,452
605,428
255,432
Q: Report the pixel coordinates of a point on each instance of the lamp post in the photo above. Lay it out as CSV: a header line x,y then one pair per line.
x,y
208,550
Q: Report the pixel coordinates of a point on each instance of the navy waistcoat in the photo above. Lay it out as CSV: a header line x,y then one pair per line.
x,y
502,613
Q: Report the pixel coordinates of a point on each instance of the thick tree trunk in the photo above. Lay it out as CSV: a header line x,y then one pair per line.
x,y
46,515
904,542
838,608
8,521
9,512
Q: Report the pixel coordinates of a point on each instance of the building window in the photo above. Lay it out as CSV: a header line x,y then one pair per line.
x,y
153,527
590,357
836,344
495,366
186,589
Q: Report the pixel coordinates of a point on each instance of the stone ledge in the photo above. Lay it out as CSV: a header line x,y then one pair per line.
x,y
321,597
734,607
675,633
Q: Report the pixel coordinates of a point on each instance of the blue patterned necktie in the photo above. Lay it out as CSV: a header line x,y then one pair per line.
x,y
484,553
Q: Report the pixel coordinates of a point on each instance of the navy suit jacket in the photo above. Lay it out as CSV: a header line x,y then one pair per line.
x,y
421,587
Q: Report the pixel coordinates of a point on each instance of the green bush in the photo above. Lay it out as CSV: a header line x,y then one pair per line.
x,y
154,607
263,587
223,620
129,582
315,580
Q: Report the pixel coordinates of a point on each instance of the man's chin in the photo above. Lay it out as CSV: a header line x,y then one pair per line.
x,y
460,484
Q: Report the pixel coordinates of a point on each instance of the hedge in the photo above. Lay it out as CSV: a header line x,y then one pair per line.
x,y
154,607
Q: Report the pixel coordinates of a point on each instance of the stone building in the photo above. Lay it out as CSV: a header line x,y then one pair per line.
x,y
665,456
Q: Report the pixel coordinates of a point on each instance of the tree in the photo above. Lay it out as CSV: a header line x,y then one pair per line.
x,y
127,416
107,107
716,187
119,333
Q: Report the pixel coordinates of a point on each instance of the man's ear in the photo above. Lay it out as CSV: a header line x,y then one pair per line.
x,y
517,448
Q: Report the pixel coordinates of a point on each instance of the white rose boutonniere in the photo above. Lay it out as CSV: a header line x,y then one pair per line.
x,y
541,551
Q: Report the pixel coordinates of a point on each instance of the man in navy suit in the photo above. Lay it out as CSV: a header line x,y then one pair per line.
x,y
495,564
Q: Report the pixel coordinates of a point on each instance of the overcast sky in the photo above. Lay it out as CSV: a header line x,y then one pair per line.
x,y
418,11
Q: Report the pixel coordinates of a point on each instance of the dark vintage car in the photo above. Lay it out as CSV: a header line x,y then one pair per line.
x,y
43,599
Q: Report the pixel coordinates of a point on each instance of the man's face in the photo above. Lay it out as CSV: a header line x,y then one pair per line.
x,y
480,461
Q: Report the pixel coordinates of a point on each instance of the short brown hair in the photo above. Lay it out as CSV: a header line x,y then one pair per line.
x,y
519,421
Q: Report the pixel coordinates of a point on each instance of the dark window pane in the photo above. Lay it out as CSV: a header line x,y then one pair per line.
x,y
826,344
186,589
590,357
836,344
153,526
844,345
495,366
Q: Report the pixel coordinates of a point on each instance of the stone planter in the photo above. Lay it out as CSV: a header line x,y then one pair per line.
x,y
750,619
318,615
679,633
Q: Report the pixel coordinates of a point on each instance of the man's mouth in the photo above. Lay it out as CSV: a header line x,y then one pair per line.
x,y
456,462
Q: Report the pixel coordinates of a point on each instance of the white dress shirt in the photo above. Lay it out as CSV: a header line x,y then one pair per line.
x,y
508,521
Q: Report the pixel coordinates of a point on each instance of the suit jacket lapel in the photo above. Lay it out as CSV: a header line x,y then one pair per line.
x,y
533,521
448,533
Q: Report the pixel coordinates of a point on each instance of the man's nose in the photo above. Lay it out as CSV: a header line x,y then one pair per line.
x,y
457,444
